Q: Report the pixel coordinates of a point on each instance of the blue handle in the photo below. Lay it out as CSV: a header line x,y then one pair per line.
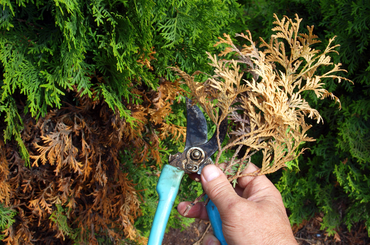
x,y
167,188
214,217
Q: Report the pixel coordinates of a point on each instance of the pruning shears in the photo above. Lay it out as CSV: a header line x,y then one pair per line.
x,y
195,156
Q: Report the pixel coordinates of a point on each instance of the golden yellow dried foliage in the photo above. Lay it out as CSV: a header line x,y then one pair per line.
x,y
267,110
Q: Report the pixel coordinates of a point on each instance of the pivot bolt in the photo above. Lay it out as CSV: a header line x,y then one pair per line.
x,y
196,154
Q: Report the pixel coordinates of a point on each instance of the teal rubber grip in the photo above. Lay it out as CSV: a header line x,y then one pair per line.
x,y
216,222
167,188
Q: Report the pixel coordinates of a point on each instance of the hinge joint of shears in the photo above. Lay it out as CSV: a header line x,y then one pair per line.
x,y
190,161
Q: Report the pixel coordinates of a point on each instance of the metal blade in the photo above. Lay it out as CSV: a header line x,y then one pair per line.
x,y
211,146
196,128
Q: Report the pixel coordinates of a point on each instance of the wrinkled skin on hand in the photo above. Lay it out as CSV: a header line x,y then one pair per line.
x,y
252,213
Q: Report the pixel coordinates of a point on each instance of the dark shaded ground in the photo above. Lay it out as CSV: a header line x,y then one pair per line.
x,y
308,233
190,235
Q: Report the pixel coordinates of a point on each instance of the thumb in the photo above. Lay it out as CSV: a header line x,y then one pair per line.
x,y
218,188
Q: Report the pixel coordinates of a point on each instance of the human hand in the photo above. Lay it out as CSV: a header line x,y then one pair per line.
x,y
252,213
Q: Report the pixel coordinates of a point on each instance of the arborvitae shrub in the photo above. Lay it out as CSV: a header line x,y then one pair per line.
x,y
116,54
81,81
110,47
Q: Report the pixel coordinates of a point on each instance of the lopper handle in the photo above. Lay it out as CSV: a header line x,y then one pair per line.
x,y
167,188
215,218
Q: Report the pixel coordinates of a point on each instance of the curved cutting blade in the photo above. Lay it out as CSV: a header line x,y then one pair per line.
x,y
196,128
211,146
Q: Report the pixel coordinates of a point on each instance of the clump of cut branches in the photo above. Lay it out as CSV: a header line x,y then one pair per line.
x,y
267,111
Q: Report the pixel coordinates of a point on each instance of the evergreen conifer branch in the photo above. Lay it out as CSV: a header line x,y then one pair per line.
x,y
268,111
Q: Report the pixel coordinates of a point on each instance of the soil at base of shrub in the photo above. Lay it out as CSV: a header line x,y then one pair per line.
x,y
307,233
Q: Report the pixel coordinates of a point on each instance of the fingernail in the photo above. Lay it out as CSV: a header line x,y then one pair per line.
x,y
212,241
210,172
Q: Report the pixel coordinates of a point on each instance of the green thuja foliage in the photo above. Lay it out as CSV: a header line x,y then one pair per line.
x,y
49,48
333,176
14,123
6,218
61,221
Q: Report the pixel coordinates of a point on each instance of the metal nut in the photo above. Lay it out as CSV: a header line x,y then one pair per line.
x,y
196,154
192,168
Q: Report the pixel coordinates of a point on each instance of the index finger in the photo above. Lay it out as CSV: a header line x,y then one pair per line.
x,y
257,188
197,211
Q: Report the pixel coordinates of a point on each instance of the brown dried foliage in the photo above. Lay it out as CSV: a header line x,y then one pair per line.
x,y
146,61
267,112
75,164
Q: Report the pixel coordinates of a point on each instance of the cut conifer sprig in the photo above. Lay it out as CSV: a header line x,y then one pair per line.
x,y
268,111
